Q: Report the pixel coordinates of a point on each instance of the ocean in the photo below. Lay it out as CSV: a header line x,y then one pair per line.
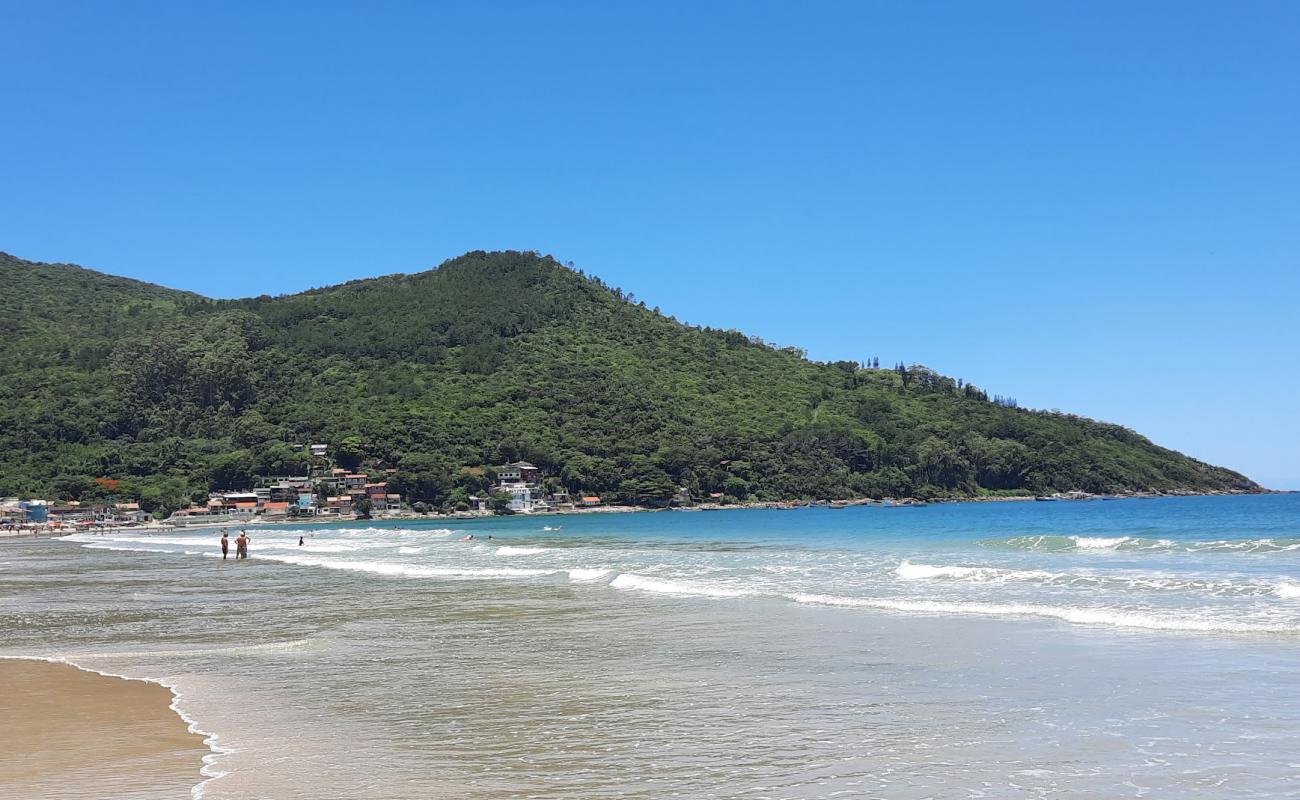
x,y
1098,649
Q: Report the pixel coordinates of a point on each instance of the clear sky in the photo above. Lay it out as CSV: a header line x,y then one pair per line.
x,y
1087,206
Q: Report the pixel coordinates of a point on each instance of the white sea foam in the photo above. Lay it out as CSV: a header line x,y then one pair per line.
x,y
513,550
283,646
1135,543
124,549
1118,618
92,538
410,551
912,572
586,575
1116,580
210,770
407,570
1289,591
631,580
1100,542
316,548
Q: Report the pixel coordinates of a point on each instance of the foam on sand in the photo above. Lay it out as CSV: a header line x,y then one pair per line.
x,y
79,731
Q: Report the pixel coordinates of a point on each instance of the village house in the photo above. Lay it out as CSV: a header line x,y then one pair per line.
x,y
518,472
520,481
130,513
276,508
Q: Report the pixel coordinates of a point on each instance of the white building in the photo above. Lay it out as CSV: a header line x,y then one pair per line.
x,y
519,480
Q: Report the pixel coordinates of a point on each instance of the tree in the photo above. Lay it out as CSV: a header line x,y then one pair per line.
x,y
349,452
499,502
736,487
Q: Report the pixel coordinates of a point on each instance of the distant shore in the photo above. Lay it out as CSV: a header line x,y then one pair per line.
x,y
35,531
69,732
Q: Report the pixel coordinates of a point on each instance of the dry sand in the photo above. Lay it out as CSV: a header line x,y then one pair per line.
x,y
70,734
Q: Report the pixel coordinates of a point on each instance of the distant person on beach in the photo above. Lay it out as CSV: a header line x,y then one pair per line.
x,y
225,544
300,542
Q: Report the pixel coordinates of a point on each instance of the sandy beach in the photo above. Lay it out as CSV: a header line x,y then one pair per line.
x,y
72,734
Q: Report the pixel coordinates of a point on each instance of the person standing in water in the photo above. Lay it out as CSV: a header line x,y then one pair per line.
x,y
300,541
241,546
225,544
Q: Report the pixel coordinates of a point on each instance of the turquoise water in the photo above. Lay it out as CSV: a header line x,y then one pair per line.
x,y
1091,649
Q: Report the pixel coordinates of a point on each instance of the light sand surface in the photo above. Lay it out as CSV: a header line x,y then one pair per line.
x,y
71,734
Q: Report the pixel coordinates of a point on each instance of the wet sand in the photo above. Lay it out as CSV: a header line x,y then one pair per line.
x,y
72,734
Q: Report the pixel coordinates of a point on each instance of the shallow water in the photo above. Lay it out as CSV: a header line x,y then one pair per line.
x,y
1096,649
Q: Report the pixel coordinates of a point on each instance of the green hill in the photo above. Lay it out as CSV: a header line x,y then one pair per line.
x,y
489,358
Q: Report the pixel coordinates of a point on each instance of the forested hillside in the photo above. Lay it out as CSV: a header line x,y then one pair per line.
x,y
114,387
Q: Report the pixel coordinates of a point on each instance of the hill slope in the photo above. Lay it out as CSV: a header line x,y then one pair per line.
x,y
491,357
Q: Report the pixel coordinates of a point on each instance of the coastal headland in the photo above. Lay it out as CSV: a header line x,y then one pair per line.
x,y
499,380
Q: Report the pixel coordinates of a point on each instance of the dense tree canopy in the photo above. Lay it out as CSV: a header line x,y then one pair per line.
x,y
493,357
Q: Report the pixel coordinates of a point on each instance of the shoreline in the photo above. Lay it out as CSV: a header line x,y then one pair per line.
x,y
76,731
36,532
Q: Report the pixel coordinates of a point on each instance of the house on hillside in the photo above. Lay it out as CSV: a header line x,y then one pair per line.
x,y
287,489
130,513
379,497
518,472
520,481
276,508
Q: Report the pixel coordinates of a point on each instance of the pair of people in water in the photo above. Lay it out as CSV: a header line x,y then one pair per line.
x,y
241,545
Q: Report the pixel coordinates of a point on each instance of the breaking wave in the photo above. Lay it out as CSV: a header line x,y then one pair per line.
x,y
513,550
408,570
1048,543
1118,618
631,580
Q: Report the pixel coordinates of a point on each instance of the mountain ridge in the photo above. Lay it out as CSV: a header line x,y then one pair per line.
x,y
492,356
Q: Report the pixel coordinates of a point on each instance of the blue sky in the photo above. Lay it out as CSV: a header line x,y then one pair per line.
x,y
1093,207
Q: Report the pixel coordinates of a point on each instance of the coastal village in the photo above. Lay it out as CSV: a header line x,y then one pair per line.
x,y
327,492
